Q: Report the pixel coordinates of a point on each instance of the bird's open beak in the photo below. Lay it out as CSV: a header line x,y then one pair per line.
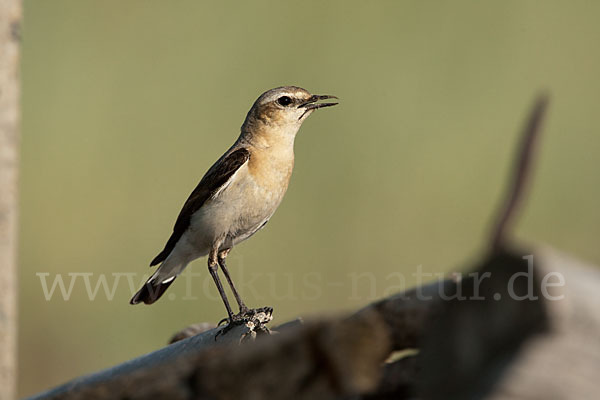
x,y
311,104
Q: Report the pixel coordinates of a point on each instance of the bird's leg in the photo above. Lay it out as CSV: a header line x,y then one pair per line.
x,y
221,258
213,265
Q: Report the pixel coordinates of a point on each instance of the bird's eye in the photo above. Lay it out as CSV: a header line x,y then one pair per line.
x,y
284,101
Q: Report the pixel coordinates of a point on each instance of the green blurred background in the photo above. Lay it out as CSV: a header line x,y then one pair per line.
x,y
127,103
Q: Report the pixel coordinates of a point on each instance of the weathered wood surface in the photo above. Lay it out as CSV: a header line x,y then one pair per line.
x,y
565,362
318,359
10,20
468,349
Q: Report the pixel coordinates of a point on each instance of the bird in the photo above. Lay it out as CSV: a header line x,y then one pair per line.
x,y
238,195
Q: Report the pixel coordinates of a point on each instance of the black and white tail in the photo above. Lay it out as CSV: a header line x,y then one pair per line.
x,y
156,285
151,291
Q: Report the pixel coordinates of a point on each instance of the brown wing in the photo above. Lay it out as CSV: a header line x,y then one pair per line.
x,y
216,177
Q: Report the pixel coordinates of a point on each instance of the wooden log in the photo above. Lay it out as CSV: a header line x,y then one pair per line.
x,y
325,358
564,363
479,326
471,347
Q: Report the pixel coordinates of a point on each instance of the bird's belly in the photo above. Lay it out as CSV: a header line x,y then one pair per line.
x,y
235,215
256,208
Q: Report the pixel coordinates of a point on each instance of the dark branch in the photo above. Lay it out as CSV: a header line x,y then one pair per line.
x,y
520,174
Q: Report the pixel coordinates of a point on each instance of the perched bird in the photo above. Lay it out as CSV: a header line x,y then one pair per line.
x,y
238,194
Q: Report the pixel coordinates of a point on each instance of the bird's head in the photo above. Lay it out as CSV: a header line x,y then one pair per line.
x,y
282,110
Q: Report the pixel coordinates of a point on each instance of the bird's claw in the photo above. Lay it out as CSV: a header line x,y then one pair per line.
x,y
232,322
234,319
254,319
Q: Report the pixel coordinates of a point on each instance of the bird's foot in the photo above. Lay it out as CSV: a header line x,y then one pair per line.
x,y
236,319
253,319
231,323
263,314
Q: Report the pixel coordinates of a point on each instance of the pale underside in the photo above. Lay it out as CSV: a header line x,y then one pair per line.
x,y
236,211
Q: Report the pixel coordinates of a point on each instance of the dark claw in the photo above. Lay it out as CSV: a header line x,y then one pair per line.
x,y
245,316
254,311
231,323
